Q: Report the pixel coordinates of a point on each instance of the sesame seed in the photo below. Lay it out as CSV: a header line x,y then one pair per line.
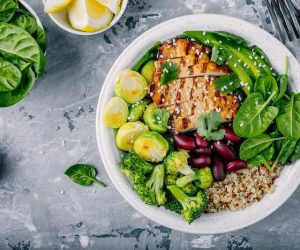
x,y
161,56
242,124
204,33
230,56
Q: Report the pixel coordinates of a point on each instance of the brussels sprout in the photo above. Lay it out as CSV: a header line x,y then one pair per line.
x,y
137,109
131,86
115,112
151,146
127,134
156,118
148,71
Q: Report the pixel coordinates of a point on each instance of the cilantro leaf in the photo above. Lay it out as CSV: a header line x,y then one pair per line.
x,y
208,126
170,71
227,83
161,117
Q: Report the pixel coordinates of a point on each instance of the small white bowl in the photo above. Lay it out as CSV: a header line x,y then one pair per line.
x,y
61,19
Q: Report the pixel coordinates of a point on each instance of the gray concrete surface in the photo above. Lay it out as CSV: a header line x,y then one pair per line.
x,y
40,208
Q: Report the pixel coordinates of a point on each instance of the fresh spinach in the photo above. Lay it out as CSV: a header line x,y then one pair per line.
x,y
266,85
296,154
253,146
83,174
41,39
254,116
170,72
7,9
10,76
25,21
263,158
288,119
18,62
208,126
227,83
283,85
232,38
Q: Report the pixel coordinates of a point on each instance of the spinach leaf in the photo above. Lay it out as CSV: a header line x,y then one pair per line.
x,y
253,146
227,83
283,85
296,154
7,9
266,85
83,175
18,62
233,38
161,117
263,158
208,126
16,41
10,76
25,21
10,98
170,72
217,56
254,116
41,38
288,119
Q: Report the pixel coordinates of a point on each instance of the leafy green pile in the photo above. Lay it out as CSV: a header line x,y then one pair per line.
x,y
22,46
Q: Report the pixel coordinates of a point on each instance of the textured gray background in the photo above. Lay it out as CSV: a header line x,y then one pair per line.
x,y
40,208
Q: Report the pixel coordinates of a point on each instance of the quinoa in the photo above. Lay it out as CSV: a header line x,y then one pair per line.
x,y
240,189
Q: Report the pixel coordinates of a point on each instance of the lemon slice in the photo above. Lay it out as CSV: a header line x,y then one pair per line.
x,y
56,5
113,5
89,15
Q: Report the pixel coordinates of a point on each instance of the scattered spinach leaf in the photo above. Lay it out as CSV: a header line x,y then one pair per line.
x,y
25,21
10,76
83,174
296,154
208,126
227,83
7,9
263,157
254,116
170,72
266,85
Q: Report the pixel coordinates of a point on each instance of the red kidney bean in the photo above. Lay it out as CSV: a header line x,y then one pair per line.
x,y
201,151
200,141
236,165
184,142
218,170
231,136
224,151
199,161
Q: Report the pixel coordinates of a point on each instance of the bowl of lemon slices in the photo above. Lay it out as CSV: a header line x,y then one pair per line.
x,y
85,17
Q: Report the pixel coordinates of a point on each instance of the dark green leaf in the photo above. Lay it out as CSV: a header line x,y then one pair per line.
x,y
227,83
10,76
296,154
25,21
170,72
267,86
208,126
83,175
263,157
18,62
254,116
217,55
7,9
233,38
283,85
288,119
41,38
285,148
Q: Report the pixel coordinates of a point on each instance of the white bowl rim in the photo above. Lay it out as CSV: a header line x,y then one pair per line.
x,y
293,171
115,19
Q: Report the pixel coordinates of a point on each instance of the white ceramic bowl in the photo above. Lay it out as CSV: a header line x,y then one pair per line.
x,y
207,223
61,20
28,7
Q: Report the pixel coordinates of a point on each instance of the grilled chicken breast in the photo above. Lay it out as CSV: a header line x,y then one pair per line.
x,y
193,93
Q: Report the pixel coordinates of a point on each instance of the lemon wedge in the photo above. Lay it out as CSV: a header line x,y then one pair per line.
x,y
89,15
52,6
113,5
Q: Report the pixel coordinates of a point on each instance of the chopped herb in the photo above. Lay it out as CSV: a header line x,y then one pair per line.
x,y
170,72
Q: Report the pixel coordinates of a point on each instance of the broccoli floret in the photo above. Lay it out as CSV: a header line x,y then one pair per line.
x,y
171,179
135,168
203,178
177,162
192,206
145,193
155,184
172,204
190,189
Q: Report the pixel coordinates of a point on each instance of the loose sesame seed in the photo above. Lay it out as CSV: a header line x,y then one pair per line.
x,y
242,124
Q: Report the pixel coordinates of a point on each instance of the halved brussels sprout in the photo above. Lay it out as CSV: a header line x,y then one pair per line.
x,y
156,118
151,146
127,134
148,71
137,109
115,112
131,86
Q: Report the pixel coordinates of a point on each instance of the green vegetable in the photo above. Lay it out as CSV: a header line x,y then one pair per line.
x,y
171,179
170,72
232,38
7,9
203,177
25,21
296,154
10,76
283,82
135,168
266,85
172,203
288,119
83,174
131,86
127,134
217,56
41,39
190,189
149,55
151,146
156,118
253,146
263,157
208,126
136,110
254,116
18,62
227,83
115,112
192,206
148,71
177,162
